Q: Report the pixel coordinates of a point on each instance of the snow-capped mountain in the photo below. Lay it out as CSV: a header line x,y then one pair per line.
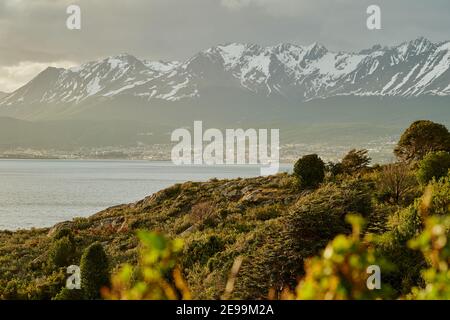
x,y
299,73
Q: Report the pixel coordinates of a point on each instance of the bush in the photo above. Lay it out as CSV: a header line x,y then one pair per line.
x,y
13,290
48,287
267,212
434,244
94,270
434,165
314,220
67,294
64,232
150,279
201,212
407,224
436,200
309,171
340,273
61,253
201,251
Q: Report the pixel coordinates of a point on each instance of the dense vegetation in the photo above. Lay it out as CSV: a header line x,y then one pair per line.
x,y
283,236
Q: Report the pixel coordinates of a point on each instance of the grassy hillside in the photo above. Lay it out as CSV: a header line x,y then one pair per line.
x,y
274,224
268,221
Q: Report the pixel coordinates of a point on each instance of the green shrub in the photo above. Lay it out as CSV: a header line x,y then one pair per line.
x,y
156,277
340,273
405,225
315,219
434,165
94,270
61,253
64,232
13,290
309,171
67,294
201,251
434,244
267,212
48,287
436,200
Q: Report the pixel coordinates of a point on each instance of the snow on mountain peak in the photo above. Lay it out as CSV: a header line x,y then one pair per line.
x,y
231,53
412,68
161,66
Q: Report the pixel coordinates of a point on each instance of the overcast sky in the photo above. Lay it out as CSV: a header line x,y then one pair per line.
x,y
33,33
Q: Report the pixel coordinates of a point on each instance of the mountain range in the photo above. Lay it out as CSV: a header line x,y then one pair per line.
x,y
237,84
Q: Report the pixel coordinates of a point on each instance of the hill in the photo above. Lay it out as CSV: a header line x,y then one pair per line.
x,y
344,121
269,221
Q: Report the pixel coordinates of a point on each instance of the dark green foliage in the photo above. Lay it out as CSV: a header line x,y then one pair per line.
x,y
355,160
64,232
266,212
309,171
61,253
392,245
94,270
433,165
334,168
67,294
438,197
313,221
405,225
13,290
201,251
46,289
420,138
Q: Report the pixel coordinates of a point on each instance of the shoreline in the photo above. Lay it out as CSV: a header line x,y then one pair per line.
x,y
199,173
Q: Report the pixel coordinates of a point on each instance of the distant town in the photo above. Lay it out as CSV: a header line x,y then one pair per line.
x,y
380,151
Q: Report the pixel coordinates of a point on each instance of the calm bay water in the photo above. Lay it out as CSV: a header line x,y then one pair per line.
x,y
40,193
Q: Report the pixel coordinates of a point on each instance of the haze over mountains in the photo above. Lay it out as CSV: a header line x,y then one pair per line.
x,y
289,86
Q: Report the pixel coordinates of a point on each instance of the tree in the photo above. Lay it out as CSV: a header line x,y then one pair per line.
x,y
396,182
420,138
434,165
355,160
94,271
309,171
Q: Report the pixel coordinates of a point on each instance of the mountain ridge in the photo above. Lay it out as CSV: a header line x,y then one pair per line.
x,y
306,91
300,73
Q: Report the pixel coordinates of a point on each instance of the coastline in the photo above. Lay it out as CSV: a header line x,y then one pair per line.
x,y
50,191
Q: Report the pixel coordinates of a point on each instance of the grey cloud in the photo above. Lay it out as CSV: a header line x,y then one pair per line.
x,y
176,29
